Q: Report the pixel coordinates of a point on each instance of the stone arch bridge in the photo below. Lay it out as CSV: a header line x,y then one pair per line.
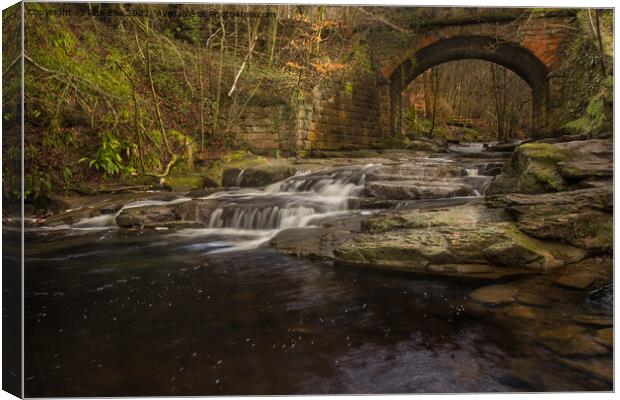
x,y
357,110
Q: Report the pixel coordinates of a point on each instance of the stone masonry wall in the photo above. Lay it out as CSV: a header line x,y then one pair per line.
x,y
342,115
266,129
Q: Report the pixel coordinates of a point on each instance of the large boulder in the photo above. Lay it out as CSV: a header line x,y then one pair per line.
x,y
461,235
582,218
532,169
539,167
314,243
320,241
185,214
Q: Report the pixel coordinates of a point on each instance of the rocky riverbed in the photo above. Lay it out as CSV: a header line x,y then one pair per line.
x,y
530,224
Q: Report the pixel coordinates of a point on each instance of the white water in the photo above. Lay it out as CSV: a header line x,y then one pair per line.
x,y
471,171
291,203
247,218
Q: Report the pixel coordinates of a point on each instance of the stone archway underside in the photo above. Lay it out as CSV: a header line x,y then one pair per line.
x,y
515,58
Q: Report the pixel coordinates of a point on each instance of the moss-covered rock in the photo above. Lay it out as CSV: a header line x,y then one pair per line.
x,y
582,218
421,240
537,167
181,182
553,167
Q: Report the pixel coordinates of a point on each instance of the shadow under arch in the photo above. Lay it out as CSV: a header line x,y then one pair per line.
x,y
515,58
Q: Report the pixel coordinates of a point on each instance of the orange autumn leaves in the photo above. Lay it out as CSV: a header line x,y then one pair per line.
x,y
308,44
323,68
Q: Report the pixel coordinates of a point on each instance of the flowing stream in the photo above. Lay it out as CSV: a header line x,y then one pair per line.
x,y
115,312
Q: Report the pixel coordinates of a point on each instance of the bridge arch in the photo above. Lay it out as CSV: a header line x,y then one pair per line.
x,y
511,56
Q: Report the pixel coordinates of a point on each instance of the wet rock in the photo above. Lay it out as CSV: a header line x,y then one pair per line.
x,y
588,150
551,167
596,320
532,169
580,217
565,137
584,170
461,235
571,340
411,189
577,346
532,299
230,177
264,175
443,216
476,309
598,368
54,203
603,296
525,312
423,179
318,242
562,333
368,203
580,280
605,337
145,216
492,169
461,268
73,216
495,295
424,171
426,146
110,208
256,176
192,213
501,147
201,192
208,182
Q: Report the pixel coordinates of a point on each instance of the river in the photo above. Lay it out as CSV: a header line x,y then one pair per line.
x,y
214,311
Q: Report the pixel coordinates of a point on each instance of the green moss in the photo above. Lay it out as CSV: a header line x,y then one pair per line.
x,y
536,163
593,232
578,126
549,178
385,223
184,182
543,152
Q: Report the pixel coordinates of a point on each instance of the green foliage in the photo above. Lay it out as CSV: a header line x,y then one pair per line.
x,y
597,118
348,89
238,155
36,185
109,156
361,57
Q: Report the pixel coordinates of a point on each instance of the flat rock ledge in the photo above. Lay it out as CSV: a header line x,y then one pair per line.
x,y
468,240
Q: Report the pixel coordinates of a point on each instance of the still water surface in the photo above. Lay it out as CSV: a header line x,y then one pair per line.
x,y
111,312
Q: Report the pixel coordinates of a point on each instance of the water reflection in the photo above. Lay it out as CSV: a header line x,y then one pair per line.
x,y
120,313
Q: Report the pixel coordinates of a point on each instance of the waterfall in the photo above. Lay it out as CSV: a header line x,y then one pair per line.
x,y
471,172
293,202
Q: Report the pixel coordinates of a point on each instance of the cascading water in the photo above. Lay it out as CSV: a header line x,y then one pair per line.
x,y
247,217
294,202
